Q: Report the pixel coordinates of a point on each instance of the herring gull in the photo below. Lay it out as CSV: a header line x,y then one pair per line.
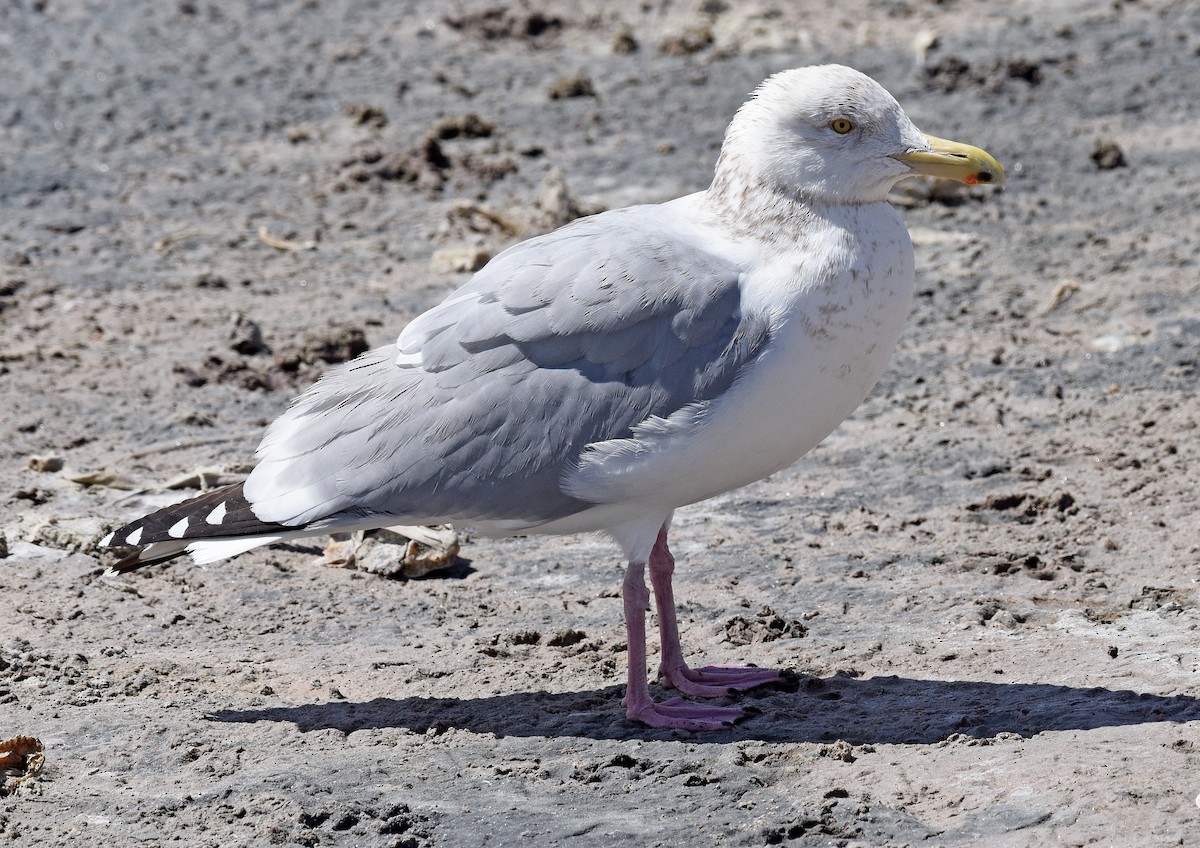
x,y
598,377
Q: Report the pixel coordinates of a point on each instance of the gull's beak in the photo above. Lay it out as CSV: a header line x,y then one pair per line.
x,y
953,161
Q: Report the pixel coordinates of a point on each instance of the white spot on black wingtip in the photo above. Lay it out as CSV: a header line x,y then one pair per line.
x,y
106,542
217,515
134,537
179,528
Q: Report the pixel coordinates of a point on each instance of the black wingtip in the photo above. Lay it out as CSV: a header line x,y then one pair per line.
x,y
166,534
138,559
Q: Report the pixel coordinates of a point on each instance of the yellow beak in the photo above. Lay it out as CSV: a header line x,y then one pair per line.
x,y
953,161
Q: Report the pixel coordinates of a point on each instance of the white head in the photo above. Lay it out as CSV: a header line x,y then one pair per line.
x,y
829,134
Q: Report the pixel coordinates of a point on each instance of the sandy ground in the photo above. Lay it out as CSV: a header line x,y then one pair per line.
x,y
986,578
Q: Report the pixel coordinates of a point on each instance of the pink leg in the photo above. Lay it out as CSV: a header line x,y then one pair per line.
x,y
676,713
711,681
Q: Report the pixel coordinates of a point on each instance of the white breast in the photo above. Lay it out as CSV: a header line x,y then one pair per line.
x,y
839,312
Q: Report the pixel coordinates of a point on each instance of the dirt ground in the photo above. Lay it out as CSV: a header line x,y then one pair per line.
x,y
986,578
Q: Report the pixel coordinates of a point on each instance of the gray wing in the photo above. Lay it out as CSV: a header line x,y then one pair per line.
x,y
561,341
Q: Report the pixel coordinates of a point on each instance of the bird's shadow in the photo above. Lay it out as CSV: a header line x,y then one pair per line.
x,y
877,710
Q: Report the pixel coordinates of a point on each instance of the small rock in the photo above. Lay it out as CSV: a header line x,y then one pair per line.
x,y
948,73
3,546
74,535
924,41
565,638
337,344
47,463
469,125
412,552
1025,69
623,42
524,637
226,369
767,626
577,86
380,555
555,206
1003,619
368,116
246,337
208,280
839,750
691,40
195,418
1107,155
497,22
33,494
339,553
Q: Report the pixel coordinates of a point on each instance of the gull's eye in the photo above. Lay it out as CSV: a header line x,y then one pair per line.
x,y
841,126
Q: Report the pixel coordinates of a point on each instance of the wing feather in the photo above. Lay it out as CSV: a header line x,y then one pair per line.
x,y
570,339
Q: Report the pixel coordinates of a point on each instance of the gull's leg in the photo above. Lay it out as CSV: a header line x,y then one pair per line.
x,y
711,681
676,713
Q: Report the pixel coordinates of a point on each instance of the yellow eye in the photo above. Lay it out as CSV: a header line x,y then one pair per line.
x,y
841,126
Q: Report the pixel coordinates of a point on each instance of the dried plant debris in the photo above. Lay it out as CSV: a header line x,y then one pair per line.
x,y
398,552
458,260
21,758
207,478
104,478
284,244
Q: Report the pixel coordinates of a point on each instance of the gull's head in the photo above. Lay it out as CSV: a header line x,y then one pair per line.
x,y
829,134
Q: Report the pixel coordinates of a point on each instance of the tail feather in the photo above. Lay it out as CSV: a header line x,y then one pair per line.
x,y
211,526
